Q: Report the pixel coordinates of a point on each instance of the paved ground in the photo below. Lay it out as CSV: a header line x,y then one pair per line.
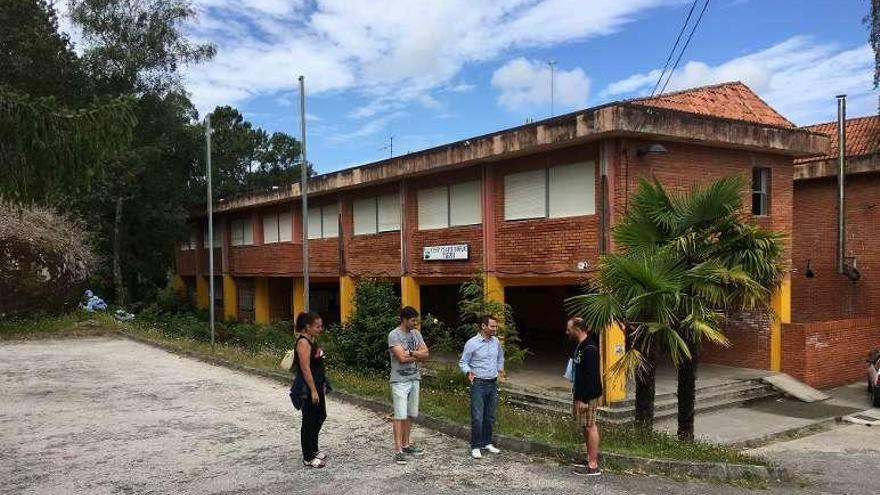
x,y
114,416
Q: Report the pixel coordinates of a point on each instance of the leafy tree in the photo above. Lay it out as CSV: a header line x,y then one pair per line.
x,y
872,20
685,263
363,342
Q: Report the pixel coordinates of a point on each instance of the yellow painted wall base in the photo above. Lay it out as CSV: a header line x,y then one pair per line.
x,y
780,301
299,297
202,293
410,293
261,300
613,347
230,298
346,298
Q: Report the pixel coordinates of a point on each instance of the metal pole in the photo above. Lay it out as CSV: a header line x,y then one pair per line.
x,y
841,182
210,227
552,65
304,191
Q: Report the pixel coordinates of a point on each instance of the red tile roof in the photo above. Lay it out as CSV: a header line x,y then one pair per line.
x,y
732,100
862,137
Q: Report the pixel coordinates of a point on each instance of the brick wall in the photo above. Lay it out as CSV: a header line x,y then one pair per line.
x,y
472,235
749,335
829,353
369,255
545,245
829,295
270,259
203,261
185,262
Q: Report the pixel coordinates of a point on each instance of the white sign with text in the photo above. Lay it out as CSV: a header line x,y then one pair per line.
x,y
445,253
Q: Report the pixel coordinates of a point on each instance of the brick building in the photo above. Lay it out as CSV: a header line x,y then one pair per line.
x,y
834,317
532,206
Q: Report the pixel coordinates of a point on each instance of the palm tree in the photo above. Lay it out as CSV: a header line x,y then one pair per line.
x,y
684,264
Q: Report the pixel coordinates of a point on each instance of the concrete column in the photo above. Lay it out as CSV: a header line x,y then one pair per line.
x,y
179,284
780,301
202,292
230,298
494,288
346,297
410,293
613,346
261,300
299,297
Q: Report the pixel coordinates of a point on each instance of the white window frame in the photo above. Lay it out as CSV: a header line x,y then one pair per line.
x,y
449,223
374,226
763,190
246,225
548,188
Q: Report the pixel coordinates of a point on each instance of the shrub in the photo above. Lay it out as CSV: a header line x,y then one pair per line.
x,y
45,257
362,343
475,303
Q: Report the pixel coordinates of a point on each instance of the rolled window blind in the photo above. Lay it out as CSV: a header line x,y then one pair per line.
x,y
572,190
465,205
525,195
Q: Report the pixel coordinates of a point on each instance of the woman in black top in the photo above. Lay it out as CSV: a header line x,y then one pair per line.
x,y
309,386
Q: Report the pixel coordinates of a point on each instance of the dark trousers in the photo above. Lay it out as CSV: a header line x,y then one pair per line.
x,y
484,400
313,419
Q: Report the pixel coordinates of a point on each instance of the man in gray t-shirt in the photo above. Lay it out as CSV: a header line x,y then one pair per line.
x,y
405,347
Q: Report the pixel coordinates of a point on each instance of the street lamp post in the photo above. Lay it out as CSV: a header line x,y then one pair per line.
x,y
304,191
210,227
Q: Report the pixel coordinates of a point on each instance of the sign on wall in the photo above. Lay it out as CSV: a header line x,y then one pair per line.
x,y
445,253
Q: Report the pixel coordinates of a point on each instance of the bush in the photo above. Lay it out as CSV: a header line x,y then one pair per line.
x,y
362,343
45,257
473,304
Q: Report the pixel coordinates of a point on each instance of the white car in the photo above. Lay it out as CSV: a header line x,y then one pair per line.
x,y
874,377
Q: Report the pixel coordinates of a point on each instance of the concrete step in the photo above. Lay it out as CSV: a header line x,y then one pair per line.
x,y
666,405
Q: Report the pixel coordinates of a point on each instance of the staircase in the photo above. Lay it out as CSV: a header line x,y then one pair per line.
x,y
708,398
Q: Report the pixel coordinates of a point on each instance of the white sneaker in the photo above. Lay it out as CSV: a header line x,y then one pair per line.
x,y
493,449
475,453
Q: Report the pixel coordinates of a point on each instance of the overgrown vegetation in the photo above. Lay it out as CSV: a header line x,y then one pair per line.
x,y
362,343
474,302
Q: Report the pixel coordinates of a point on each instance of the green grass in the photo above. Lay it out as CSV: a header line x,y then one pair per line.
x,y
443,396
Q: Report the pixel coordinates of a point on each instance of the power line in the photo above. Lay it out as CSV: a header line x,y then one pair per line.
x,y
672,51
686,44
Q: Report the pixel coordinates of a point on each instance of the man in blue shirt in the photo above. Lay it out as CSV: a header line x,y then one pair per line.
x,y
482,361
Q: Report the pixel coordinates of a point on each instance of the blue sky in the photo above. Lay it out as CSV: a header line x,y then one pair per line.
x,y
431,72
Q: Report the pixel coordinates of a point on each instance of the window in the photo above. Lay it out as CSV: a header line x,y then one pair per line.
x,y
450,206
246,295
218,236
190,243
760,191
555,192
242,232
379,214
324,221
277,228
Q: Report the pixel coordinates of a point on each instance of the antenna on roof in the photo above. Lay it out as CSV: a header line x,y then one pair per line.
x,y
389,147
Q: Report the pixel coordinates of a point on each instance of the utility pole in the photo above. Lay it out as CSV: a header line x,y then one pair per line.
x,y
304,191
552,65
210,227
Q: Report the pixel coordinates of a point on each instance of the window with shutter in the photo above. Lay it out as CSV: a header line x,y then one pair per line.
x,y
218,235
465,204
388,213
525,195
237,232
315,217
248,228
364,213
330,220
572,190
270,228
433,208
285,228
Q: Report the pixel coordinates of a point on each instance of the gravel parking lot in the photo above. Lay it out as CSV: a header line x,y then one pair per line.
x,y
107,415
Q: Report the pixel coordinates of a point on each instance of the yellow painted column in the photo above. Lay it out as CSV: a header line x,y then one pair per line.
x,y
613,347
299,297
780,301
202,294
178,284
230,298
494,288
346,297
410,293
261,300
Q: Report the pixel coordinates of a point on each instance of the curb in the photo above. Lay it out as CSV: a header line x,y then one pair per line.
x,y
710,470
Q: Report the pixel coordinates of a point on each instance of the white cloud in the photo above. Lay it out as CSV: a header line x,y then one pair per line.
x,y
390,51
525,84
799,77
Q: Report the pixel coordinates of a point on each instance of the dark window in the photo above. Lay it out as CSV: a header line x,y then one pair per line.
x,y
760,191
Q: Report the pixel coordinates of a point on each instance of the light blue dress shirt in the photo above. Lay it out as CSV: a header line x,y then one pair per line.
x,y
483,357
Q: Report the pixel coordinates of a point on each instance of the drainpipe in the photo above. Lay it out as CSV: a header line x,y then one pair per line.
x,y
841,178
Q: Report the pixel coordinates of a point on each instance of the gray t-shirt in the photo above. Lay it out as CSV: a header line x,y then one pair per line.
x,y
410,341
